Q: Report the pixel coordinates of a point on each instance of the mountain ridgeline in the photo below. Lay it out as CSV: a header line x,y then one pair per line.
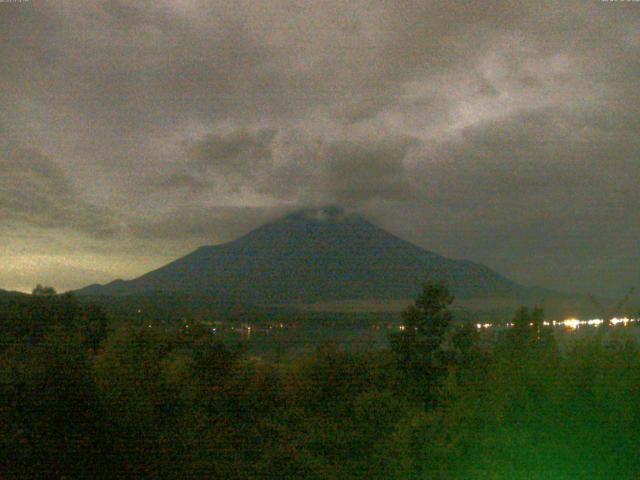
x,y
315,255
9,295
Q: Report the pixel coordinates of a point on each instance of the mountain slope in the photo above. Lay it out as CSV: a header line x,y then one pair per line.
x,y
315,255
9,293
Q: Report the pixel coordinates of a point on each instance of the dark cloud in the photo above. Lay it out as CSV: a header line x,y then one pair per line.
x,y
503,133
180,181
358,172
294,168
239,157
545,193
210,225
35,191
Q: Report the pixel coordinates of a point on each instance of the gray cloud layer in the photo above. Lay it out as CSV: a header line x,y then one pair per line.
x,y
505,133
35,191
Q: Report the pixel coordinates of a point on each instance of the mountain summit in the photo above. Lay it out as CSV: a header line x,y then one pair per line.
x,y
310,256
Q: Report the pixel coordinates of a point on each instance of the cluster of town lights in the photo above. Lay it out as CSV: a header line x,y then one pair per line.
x,y
571,323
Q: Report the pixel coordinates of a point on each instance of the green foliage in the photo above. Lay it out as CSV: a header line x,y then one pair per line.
x,y
419,346
82,400
529,336
26,320
48,416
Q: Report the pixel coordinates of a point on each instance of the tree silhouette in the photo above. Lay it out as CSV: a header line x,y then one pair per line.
x,y
43,291
418,345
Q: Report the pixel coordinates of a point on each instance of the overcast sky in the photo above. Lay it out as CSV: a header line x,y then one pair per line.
x,y
132,132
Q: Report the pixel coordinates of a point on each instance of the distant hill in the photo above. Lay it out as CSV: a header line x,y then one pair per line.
x,y
316,255
7,295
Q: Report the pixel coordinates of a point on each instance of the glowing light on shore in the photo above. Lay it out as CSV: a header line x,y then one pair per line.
x,y
569,323
483,325
623,320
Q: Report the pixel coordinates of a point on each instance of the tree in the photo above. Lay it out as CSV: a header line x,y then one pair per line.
x,y
418,345
93,326
522,330
42,291
529,329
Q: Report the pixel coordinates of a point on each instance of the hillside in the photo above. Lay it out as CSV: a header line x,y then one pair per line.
x,y
316,255
9,295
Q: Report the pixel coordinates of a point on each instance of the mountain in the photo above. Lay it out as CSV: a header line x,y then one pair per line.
x,y
316,255
10,295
